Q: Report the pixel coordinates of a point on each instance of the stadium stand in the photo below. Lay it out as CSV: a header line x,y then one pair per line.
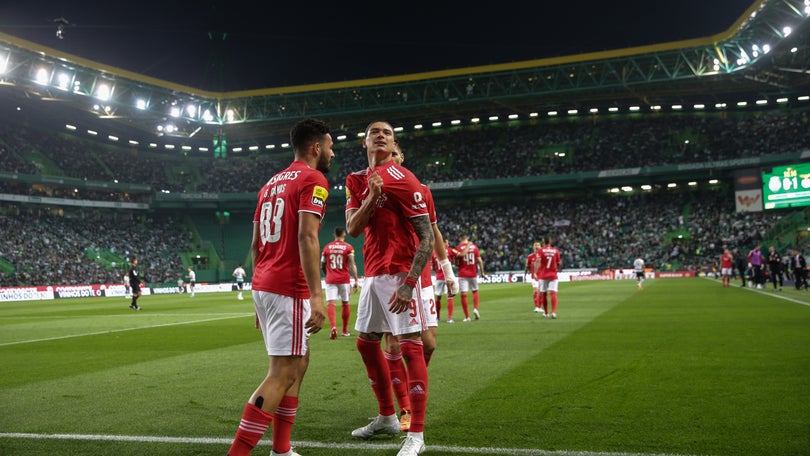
x,y
675,229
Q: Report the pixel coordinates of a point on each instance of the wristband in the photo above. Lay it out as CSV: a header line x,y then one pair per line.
x,y
410,282
447,270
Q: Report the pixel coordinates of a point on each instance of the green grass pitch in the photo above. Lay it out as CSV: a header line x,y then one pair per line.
x,y
683,367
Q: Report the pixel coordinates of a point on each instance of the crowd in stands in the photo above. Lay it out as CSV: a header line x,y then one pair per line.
x,y
52,249
603,231
610,231
483,152
598,232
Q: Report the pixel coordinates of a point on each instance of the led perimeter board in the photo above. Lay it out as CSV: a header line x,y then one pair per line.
x,y
786,186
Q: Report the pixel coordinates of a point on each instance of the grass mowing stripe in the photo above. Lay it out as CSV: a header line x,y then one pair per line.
x,y
361,447
162,325
683,366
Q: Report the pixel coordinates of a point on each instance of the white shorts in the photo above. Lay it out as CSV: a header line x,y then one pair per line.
x,y
373,315
429,306
335,291
466,284
535,283
439,287
548,285
282,320
727,271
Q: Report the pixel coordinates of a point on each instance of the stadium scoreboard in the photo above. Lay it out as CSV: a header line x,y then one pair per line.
x,y
786,186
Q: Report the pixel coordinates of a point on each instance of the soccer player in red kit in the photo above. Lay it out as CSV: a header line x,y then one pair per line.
x,y
469,264
530,259
726,267
337,263
546,266
286,284
393,353
386,202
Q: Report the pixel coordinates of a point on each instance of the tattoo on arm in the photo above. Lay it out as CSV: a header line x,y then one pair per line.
x,y
424,231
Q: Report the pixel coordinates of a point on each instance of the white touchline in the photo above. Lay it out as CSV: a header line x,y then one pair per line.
x,y
69,336
361,447
765,292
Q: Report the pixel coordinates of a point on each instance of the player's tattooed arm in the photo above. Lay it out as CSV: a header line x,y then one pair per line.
x,y
424,231
401,300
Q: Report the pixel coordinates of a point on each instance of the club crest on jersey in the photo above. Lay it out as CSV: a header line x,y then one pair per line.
x,y
381,200
319,195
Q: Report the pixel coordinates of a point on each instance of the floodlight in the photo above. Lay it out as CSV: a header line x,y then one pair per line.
x,y
41,76
103,92
63,81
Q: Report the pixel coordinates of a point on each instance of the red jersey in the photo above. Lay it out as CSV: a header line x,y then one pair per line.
x,y
297,189
530,259
468,254
336,258
427,279
548,259
726,260
390,244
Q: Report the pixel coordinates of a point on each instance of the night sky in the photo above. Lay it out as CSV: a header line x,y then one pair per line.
x,y
218,45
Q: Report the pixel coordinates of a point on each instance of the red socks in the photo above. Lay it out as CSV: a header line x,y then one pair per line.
x,y
255,422
331,314
282,426
417,381
399,379
378,375
345,312
465,306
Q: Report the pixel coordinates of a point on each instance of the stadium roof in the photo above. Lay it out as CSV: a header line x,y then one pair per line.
x,y
763,56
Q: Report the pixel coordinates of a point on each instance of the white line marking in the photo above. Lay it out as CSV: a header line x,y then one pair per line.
x,y
69,336
342,446
764,291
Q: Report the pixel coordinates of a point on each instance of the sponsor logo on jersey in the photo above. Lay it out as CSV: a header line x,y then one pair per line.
x,y
319,195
